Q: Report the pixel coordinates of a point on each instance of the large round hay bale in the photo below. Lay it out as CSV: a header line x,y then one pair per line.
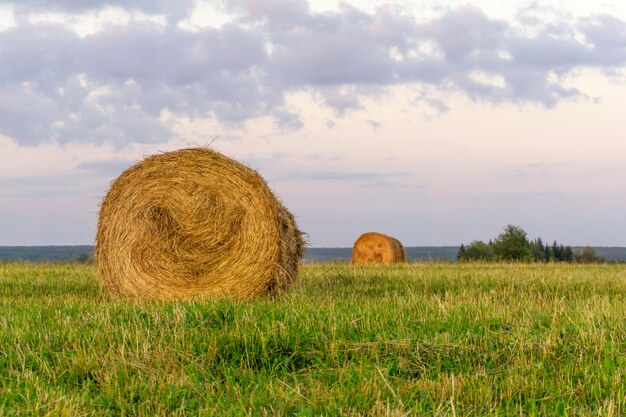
x,y
376,248
193,223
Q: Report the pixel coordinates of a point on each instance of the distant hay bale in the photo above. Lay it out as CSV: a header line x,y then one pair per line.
x,y
376,248
193,223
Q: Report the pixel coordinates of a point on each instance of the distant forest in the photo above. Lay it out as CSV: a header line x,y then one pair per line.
x,y
414,254
47,253
513,245
84,253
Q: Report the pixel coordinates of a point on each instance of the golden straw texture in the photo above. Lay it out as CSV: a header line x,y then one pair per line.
x,y
193,223
376,248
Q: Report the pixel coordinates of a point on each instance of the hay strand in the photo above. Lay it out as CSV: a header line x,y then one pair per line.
x,y
376,248
191,224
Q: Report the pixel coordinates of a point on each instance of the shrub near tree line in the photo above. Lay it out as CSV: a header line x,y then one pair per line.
x,y
512,244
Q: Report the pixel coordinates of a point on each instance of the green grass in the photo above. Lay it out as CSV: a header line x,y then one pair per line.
x,y
421,339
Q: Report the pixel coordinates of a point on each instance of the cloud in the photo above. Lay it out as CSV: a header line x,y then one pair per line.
x,y
115,85
438,105
340,102
277,14
365,177
110,168
361,179
173,8
51,185
374,124
534,169
287,120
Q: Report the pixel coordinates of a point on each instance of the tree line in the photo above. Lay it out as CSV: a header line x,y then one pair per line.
x,y
512,244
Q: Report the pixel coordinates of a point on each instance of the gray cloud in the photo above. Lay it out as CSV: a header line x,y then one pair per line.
x,y
366,177
287,120
373,123
113,86
340,102
439,106
534,169
173,8
362,179
466,34
109,168
51,185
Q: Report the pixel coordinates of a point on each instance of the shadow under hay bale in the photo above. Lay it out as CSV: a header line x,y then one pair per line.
x,y
376,248
193,223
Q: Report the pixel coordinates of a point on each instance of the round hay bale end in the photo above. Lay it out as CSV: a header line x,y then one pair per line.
x,y
194,224
376,248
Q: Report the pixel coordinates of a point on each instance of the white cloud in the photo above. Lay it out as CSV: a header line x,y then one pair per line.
x,y
206,15
493,80
7,19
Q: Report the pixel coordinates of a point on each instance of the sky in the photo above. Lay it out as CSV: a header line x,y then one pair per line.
x,y
436,123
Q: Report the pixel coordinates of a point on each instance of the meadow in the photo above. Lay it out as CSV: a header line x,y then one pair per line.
x,y
416,339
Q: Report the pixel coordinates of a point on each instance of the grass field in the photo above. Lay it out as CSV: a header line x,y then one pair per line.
x,y
419,339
